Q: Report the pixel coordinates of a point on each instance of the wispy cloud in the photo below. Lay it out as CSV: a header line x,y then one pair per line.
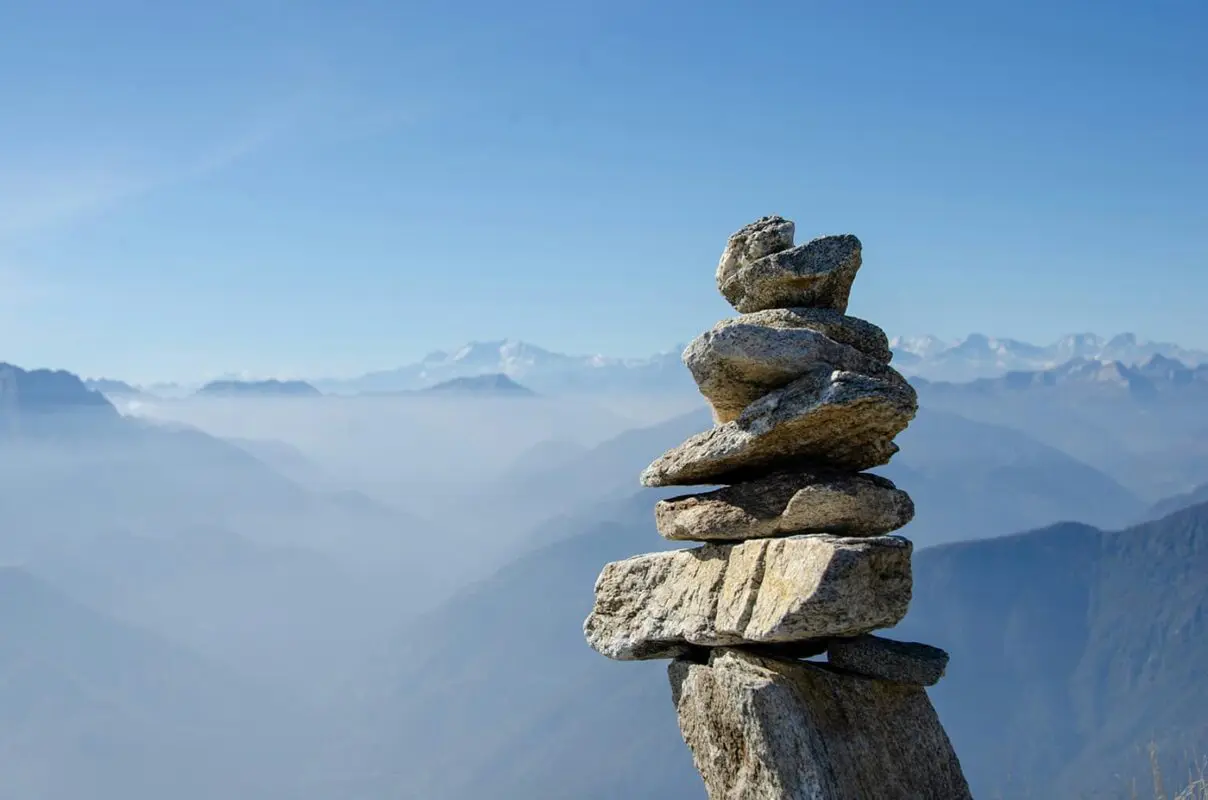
x,y
35,197
31,201
62,187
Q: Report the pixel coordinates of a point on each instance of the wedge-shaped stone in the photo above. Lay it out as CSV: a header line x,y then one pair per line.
x,y
837,419
788,503
774,590
756,272
739,361
768,729
890,660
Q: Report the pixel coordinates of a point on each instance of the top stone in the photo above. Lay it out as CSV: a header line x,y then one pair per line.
x,y
760,269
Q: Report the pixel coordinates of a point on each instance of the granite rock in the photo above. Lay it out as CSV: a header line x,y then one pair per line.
x,y
768,729
763,237
838,419
852,331
660,605
817,274
886,659
785,504
739,361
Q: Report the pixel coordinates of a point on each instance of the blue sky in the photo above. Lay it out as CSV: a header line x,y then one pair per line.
x,y
304,188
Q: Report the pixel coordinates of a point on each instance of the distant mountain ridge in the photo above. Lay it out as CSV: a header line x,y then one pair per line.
x,y
981,356
529,365
44,403
547,371
44,390
977,356
108,386
1158,374
267,388
495,383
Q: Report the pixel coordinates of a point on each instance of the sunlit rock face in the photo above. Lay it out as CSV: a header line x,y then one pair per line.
x,y
799,558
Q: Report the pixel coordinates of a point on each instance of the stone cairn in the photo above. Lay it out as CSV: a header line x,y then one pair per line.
x,y
797,559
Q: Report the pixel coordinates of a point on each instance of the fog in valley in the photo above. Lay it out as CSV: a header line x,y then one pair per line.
x,y
375,595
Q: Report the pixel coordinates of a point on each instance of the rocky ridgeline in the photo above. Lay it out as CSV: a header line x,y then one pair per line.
x,y
798,558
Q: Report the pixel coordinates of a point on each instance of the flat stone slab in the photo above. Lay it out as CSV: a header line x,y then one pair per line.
x,y
739,361
769,729
886,659
842,420
760,269
785,504
661,605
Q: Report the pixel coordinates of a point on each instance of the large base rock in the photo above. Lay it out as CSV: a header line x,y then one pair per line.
x,y
788,503
841,419
766,729
660,605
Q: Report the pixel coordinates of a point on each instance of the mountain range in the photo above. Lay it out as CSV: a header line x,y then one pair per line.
x,y
268,388
548,371
980,356
536,368
1143,425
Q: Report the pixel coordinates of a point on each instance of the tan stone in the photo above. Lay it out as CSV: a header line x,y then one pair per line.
x,y
825,418
739,361
760,269
768,729
772,590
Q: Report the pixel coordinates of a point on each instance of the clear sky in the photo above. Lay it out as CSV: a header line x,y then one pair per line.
x,y
291,187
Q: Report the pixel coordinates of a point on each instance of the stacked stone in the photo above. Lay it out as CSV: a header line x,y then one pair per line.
x,y
798,557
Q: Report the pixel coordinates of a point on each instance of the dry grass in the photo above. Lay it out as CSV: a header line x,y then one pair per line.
x,y
1195,787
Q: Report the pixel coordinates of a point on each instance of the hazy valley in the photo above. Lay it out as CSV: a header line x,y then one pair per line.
x,y
408,572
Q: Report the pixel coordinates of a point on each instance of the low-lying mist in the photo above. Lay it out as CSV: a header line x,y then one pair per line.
x,y
356,594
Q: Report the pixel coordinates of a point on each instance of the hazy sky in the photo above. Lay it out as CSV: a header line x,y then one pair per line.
x,y
296,187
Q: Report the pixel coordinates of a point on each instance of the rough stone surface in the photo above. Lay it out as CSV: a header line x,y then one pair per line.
x,y
767,729
840,419
738,362
772,590
763,237
852,331
875,657
757,272
788,503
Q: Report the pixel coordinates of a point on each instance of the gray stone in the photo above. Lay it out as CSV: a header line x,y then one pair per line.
x,y
886,659
838,419
758,270
852,331
768,729
788,503
739,361
660,605
763,237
